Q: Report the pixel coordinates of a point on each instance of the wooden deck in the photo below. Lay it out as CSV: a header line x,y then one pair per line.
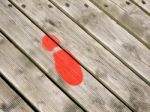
x,y
109,40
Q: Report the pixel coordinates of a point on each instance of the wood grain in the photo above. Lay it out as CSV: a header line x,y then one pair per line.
x,y
111,35
104,66
10,101
144,4
90,94
129,16
31,82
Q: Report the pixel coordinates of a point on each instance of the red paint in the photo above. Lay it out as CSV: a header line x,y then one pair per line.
x,y
55,39
66,66
48,43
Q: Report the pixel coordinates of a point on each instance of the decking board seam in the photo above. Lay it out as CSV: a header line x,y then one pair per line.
x,y
74,100
101,82
19,93
36,64
123,26
101,43
140,7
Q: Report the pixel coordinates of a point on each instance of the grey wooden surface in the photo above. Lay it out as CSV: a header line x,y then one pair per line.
x,y
109,33
31,82
90,94
104,66
129,16
10,101
110,85
144,4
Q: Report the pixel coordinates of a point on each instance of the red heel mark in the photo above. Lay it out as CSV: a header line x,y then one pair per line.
x,y
66,66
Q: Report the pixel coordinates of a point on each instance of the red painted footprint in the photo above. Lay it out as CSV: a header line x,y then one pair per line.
x,y
66,66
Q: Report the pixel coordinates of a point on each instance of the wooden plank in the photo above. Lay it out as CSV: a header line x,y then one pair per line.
x,y
111,35
90,94
31,82
128,16
144,4
104,66
11,101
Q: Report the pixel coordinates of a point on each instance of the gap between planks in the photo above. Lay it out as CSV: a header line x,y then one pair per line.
x,y
29,89
105,46
18,93
122,25
37,65
76,102
101,82
143,2
43,71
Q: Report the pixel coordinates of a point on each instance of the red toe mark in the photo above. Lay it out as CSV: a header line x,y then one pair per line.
x,y
68,68
55,39
48,43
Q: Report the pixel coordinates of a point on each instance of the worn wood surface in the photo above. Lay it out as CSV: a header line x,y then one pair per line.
x,y
144,4
105,30
129,16
31,82
10,101
91,95
104,66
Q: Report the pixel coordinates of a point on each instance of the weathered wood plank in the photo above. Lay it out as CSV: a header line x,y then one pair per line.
x,y
144,4
90,94
104,66
111,35
31,82
10,101
129,16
